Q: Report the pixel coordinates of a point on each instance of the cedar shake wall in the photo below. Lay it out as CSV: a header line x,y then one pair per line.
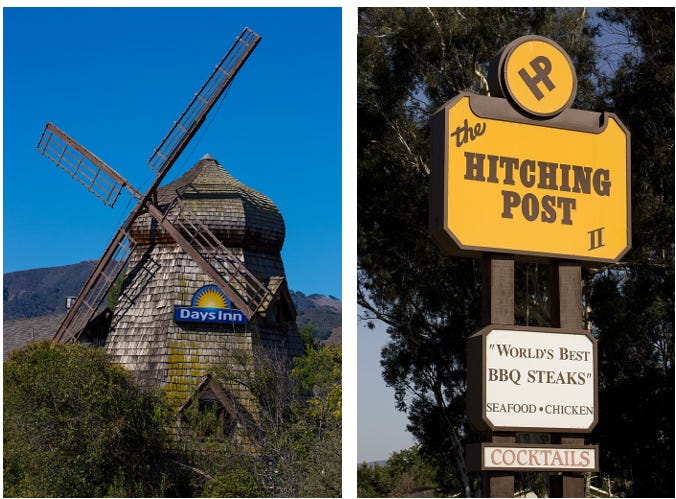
x,y
176,356
145,339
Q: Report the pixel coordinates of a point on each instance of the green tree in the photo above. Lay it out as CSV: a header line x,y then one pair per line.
x,y
373,481
256,459
409,472
308,337
318,422
410,61
75,425
633,302
288,439
115,291
405,473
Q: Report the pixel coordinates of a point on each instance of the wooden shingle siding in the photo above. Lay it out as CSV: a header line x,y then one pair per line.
x,y
177,356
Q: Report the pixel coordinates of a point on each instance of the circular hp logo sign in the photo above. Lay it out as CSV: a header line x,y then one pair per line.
x,y
536,75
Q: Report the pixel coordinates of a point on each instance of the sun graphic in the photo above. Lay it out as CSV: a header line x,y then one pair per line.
x,y
209,297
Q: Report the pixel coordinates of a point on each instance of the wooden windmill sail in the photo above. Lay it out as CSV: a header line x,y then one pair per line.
x,y
245,291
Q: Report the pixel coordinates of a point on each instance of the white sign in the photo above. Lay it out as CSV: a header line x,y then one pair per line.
x,y
536,379
532,457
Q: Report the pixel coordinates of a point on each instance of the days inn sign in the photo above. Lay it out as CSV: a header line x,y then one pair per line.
x,y
209,305
526,174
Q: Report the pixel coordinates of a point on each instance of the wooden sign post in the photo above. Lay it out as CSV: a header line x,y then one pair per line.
x,y
566,312
521,173
498,308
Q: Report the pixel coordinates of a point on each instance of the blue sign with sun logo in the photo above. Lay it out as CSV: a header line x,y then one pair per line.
x,y
209,305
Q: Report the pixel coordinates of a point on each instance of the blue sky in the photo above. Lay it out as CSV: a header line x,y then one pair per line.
x,y
117,79
381,428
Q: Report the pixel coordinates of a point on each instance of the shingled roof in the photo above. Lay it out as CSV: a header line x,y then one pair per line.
x,y
19,332
235,213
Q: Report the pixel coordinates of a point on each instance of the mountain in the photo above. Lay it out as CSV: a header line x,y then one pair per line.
x,y
36,292
39,292
323,313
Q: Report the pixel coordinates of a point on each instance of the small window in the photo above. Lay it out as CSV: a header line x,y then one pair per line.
x,y
209,413
214,420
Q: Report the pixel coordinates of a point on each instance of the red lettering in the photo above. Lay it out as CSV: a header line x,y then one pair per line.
x,y
493,454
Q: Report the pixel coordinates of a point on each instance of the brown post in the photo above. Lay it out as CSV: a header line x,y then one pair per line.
x,y
498,308
498,483
498,289
566,312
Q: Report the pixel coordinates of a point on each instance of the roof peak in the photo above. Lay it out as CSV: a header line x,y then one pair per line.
x,y
208,156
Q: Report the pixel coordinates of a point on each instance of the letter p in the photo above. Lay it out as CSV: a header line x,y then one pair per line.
x,y
542,67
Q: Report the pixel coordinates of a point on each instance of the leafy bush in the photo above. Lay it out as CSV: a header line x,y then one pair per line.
x,y
75,425
235,483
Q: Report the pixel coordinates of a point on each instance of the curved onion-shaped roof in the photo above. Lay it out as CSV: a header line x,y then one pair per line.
x,y
236,214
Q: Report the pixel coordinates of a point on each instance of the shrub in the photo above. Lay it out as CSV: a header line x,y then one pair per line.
x,y
75,425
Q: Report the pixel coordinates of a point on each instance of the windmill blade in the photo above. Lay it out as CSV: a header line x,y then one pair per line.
x,y
81,164
96,287
192,118
244,290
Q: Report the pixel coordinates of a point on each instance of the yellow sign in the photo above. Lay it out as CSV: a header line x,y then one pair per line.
x,y
502,182
538,76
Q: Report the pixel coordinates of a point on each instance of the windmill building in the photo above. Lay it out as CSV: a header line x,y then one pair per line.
x,y
145,335
199,261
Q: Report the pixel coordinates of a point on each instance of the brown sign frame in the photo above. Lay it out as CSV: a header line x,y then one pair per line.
x,y
476,381
474,457
496,108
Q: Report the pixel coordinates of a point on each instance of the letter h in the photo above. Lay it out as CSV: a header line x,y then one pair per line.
x,y
542,67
